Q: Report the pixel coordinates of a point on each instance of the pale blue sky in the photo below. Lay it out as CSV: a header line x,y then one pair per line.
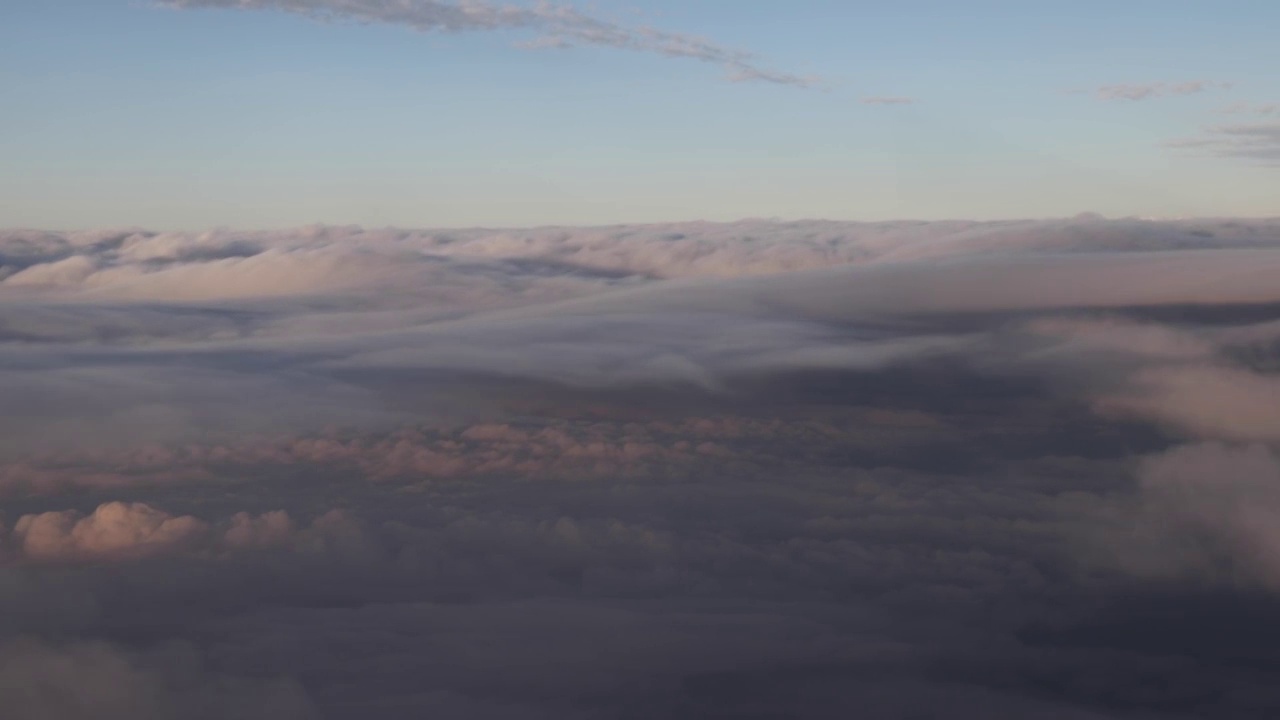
x,y
120,112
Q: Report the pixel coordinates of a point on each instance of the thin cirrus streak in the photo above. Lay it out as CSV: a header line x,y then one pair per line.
x,y
556,25
1157,90
887,100
1255,142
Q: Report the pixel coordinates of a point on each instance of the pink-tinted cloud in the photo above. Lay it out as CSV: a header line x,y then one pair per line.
x,y
119,531
113,531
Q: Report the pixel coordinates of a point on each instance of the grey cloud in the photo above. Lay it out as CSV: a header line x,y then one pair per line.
x,y
1205,511
1211,400
594,596
842,587
557,25
1017,469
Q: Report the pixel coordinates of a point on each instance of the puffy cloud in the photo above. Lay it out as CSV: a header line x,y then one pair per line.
x,y
557,25
332,532
269,528
112,531
121,531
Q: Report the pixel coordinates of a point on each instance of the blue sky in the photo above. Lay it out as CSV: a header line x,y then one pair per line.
x,y
123,112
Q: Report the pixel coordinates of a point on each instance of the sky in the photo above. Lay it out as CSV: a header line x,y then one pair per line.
x,y
191,114
609,360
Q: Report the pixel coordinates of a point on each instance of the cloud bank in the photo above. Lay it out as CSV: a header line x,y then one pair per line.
x,y
1021,469
555,25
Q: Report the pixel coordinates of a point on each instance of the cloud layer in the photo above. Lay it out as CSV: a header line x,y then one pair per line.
x,y
974,470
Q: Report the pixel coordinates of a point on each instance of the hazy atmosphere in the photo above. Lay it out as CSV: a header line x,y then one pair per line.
x,y
423,359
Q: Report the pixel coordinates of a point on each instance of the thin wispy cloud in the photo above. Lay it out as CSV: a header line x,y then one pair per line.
x,y
1256,142
1148,91
555,26
1248,108
887,100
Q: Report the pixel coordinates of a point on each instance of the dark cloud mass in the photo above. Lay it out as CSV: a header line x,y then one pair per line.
x,y
754,470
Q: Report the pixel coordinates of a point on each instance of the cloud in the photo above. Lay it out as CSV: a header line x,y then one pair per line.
x,y
556,25
293,331
1208,400
121,532
113,530
88,680
1018,469
1247,108
1206,511
1158,90
887,100
1256,142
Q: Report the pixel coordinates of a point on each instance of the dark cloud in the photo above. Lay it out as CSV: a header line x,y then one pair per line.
x,y
894,470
